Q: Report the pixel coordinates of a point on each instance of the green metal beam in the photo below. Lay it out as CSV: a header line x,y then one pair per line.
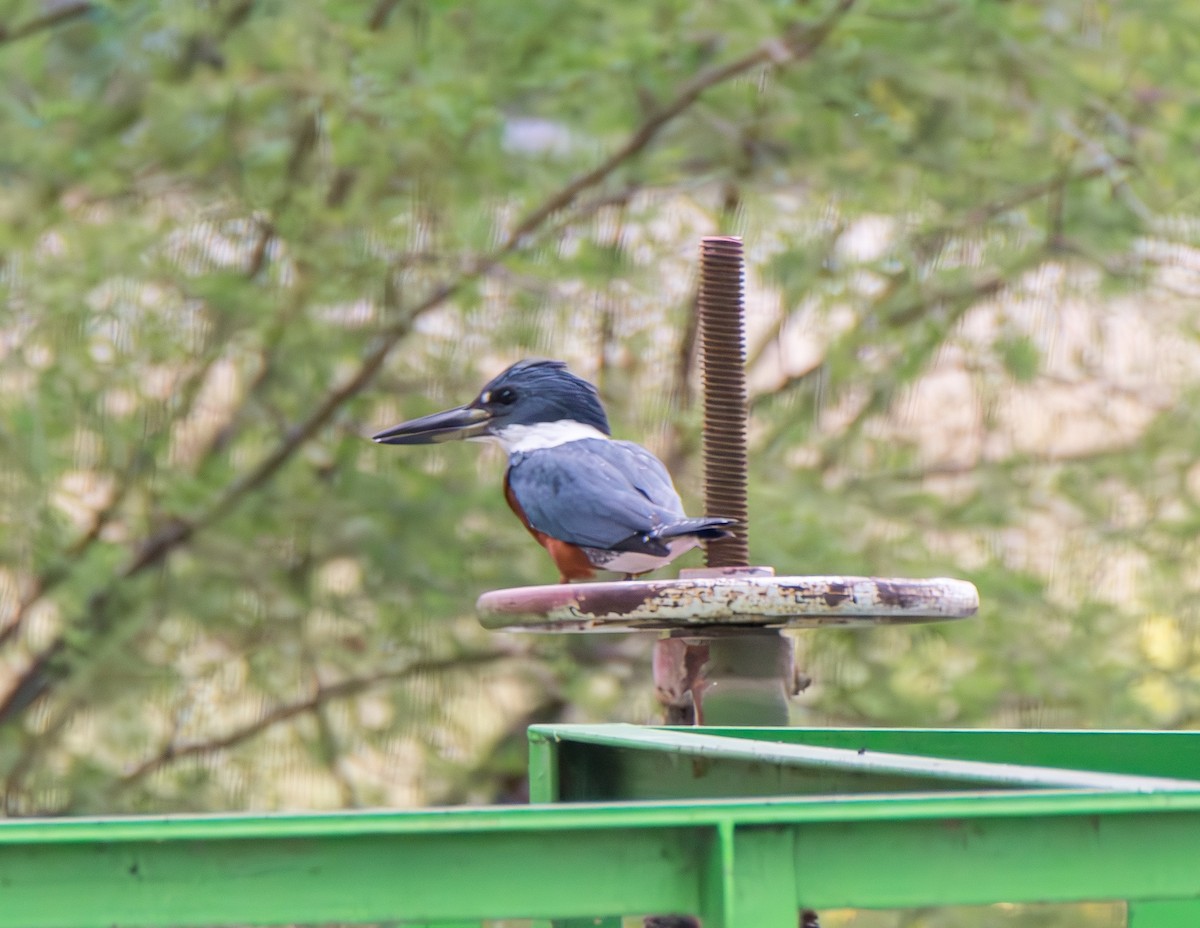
x,y
621,762
737,864
1175,914
281,878
1138,753
975,862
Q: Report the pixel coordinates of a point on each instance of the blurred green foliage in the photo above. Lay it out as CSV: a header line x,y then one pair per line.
x,y
236,237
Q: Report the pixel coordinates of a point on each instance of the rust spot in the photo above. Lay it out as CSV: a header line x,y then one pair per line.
x,y
611,598
679,679
836,594
892,595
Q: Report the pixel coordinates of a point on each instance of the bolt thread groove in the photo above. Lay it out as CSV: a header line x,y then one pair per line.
x,y
726,399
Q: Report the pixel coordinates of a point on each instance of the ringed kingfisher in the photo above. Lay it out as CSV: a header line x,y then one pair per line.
x,y
592,502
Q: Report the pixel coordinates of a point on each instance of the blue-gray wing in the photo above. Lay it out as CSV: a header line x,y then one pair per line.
x,y
594,492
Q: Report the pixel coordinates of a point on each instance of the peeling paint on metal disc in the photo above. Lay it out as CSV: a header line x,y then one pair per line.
x,y
736,601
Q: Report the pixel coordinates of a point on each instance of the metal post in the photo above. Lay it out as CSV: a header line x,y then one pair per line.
x,y
737,676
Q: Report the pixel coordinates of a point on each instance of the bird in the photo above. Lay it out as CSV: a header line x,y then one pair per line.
x,y
593,502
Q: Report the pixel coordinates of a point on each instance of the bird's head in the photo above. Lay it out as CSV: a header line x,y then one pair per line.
x,y
529,394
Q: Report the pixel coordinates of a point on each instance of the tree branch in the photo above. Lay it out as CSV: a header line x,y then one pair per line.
x,y
928,242
380,14
56,15
322,695
50,578
956,300
798,44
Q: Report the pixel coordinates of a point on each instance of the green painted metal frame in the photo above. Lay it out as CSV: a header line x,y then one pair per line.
x,y
1139,753
623,762
735,862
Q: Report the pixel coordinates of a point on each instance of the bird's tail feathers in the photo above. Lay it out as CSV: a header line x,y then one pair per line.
x,y
708,528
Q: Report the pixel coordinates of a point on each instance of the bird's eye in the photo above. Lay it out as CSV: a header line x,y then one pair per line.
x,y
505,396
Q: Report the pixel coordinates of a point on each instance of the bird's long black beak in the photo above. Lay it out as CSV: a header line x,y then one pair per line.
x,y
451,425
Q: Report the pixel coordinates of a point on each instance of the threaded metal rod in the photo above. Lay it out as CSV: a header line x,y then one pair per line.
x,y
723,360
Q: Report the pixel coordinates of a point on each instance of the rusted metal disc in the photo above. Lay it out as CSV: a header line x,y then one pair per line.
x,y
739,598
